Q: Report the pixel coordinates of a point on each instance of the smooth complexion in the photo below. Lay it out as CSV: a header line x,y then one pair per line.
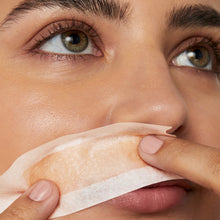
x,y
132,74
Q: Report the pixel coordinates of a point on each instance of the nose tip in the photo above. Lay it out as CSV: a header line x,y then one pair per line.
x,y
164,106
170,113
167,113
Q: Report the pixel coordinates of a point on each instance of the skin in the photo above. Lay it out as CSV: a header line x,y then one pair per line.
x,y
42,99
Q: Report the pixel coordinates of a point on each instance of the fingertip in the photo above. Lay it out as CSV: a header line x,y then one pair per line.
x,y
55,196
45,194
43,190
150,145
37,203
51,201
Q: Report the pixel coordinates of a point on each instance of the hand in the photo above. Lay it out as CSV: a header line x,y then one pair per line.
x,y
195,162
37,203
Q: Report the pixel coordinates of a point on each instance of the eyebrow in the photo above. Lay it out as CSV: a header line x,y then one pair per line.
x,y
187,16
110,9
190,16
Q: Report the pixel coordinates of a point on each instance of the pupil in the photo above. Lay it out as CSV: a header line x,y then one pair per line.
x,y
198,54
74,39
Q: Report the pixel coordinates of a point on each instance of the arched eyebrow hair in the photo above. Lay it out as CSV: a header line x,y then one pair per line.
x,y
110,9
197,15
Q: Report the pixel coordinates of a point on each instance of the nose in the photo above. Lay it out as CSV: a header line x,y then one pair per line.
x,y
147,94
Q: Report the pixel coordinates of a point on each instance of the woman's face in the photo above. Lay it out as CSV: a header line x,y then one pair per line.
x,y
151,62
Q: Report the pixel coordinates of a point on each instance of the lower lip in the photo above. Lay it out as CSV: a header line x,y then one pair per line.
x,y
150,200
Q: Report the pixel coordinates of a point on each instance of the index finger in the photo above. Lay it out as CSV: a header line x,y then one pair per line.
x,y
198,163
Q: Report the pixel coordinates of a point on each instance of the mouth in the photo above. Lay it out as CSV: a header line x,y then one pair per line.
x,y
155,198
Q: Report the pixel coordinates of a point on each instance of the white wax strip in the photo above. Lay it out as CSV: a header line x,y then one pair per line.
x,y
89,168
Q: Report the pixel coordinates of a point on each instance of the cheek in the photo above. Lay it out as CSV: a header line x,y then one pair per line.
x,y
34,113
201,93
204,121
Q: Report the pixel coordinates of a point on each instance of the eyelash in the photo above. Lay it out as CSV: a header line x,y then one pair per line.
x,y
211,45
60,27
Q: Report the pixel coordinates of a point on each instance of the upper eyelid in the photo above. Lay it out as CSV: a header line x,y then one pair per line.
x,y
190,42
59,27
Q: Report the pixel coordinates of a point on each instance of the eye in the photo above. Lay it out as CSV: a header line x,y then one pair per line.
x,y
75,41
71,42
197,56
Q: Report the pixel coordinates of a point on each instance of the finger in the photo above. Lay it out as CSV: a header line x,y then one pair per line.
x,y
37,203
198,163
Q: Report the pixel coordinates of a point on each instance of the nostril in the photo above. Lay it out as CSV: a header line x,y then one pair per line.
x,y
178,132
176,117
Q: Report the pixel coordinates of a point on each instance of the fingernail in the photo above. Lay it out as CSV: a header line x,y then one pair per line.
x,y
41,191
150,144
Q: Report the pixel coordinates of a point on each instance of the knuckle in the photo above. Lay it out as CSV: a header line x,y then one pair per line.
x,y
215,172
215,167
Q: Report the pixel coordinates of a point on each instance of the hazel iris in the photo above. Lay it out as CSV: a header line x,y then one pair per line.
x,y
75,41
199,56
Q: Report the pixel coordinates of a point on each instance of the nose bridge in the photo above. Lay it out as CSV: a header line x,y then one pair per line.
x,y
147,94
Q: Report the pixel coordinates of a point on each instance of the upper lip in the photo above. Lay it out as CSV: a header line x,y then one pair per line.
x,y
185,184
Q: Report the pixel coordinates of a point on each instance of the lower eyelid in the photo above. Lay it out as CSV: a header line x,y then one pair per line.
x,y
67,58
